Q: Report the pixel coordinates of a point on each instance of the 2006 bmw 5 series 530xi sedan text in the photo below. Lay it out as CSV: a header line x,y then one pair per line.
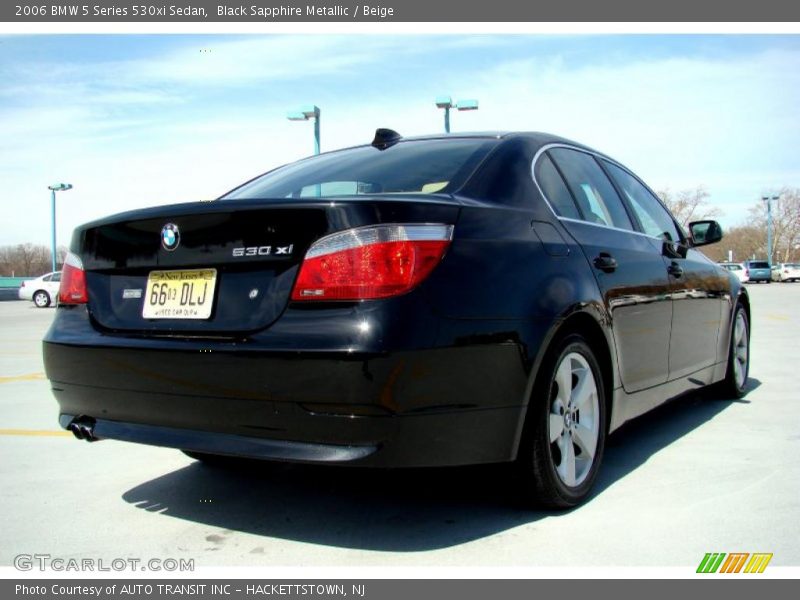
x,y
433,301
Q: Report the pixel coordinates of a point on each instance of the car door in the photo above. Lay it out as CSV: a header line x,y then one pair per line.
x,y
627,265
697,285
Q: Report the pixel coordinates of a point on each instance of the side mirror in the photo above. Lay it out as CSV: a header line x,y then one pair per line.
x,y
705,232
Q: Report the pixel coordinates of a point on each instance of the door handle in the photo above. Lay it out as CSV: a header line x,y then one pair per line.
x,y
675,270
605,262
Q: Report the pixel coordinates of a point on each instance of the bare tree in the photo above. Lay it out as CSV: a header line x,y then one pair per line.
x,y
743,242
27,260
689,205
750,240
785,224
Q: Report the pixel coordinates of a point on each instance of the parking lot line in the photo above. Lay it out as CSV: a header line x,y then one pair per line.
x,y
25,377
34,432
775,317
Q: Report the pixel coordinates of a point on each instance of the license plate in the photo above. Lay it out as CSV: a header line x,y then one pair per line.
x,y
180,294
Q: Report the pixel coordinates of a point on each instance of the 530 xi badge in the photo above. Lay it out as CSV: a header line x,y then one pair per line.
x,y
263,251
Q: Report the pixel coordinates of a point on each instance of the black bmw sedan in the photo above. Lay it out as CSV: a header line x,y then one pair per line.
x,y
432,301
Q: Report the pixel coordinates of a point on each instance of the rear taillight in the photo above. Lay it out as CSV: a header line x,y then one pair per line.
x,y
73,282
371,262
747,272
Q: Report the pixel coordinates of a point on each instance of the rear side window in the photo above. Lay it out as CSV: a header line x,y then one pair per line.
x,y
56,277
554,188
654,218
597,199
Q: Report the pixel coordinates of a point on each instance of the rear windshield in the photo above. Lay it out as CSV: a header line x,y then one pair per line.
x,y
413,167
733,267
792,265
759,265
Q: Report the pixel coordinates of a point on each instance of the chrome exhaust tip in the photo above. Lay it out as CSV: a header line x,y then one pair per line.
x,y
83,429
76,430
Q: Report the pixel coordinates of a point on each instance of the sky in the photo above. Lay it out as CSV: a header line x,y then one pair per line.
x,y
142,120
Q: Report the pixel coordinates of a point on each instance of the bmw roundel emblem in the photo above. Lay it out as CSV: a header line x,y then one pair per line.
x,y
170,236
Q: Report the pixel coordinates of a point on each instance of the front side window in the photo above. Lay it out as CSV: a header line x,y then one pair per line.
x,y
597,199
411,167
654,218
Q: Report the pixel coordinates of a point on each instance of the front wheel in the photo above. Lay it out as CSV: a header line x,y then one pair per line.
x,y
563,445
738,370
41,299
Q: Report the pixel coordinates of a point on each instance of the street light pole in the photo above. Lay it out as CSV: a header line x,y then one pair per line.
x,y
59,187
446,102
316,131
304,114
768,200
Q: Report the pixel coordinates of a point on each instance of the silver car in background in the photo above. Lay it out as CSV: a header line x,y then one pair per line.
x,y
43,290
786,272
737,269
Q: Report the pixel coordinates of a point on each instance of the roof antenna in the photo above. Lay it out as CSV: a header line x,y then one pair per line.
x,y
385,138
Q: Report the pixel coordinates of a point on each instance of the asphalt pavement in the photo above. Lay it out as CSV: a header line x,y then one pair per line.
x,y
697,475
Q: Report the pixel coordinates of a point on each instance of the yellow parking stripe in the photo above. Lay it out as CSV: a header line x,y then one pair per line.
x,y
34,432
775,317
26,377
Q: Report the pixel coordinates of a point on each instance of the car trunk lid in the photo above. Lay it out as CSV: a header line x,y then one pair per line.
x,y
230,264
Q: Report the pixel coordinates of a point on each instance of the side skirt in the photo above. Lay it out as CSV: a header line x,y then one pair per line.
x,y
629,406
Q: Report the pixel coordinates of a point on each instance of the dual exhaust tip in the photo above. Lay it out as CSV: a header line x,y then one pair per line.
x,y
83,428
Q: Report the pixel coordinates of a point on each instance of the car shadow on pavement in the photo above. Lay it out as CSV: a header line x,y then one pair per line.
x,y
390,510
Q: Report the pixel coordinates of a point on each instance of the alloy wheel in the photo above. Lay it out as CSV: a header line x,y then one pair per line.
x,y
740,349
574,420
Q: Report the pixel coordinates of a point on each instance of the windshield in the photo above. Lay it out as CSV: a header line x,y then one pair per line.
x,y
413,167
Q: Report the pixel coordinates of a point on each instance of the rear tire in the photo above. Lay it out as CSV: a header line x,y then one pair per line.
x,y
41,299
565,429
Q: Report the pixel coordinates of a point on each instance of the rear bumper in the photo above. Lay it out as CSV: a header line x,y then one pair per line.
x,y
290,432
221,443
432,407
760,277
421,441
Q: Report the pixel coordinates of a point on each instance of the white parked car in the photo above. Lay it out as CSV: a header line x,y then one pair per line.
x,y
737,269
786,272
42,290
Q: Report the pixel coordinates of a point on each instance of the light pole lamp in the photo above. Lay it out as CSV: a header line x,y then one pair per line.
x,y
304,114
58,187
446,102
768,200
